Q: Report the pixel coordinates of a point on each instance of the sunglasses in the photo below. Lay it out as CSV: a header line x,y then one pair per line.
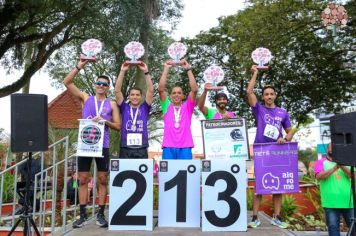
x,y
100,83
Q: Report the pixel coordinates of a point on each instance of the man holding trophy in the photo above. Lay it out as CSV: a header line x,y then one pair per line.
x,y
97,108
221,101
177,115
134,134
270,120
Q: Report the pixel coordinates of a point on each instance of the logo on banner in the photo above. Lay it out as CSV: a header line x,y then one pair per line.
x,y
236,134
163,166
90,134
114,165
270,181
206,165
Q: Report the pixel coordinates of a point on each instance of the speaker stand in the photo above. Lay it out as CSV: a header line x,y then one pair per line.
x,y
26,217
352,229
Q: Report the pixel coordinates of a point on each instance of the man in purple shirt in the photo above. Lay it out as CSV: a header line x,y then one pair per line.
x,y
270,120
134,135
97,108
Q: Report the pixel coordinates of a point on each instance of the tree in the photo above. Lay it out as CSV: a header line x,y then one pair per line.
x,y
308,65
52,24
47,24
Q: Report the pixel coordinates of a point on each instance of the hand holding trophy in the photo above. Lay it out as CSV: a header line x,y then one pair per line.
x,y
176,51
213,75
261,56
90,49
134,51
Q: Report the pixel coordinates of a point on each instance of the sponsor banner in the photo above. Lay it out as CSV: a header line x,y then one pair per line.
x,y
225,139
90,138
276,168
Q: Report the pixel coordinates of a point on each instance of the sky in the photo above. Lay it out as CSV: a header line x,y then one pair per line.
x,y
198,15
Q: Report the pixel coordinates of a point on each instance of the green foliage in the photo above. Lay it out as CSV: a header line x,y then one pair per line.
x,y
310,178
307,73
313,196
155,197
249,194
288,206
8,188
306,156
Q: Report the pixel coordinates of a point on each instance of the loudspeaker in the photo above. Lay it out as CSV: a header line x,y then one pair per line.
x,y
29,123
343,138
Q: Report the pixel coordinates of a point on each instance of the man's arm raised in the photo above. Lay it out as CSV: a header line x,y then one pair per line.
x,y
192,82
202,99
118,85
251,97
149,93
68,82
163,81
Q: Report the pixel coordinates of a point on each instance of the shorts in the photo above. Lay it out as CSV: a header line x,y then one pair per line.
x,y
102,163
133,153
177,153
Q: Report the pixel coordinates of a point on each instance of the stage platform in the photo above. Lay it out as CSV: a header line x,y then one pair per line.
x,y
265,229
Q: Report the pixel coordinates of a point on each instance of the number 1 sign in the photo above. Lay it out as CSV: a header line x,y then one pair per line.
x,y
224,195
179,193
131,194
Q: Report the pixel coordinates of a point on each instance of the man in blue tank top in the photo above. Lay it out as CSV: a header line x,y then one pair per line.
x,y
107,111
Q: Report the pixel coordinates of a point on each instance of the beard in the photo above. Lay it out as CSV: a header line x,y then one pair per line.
x,y
221,105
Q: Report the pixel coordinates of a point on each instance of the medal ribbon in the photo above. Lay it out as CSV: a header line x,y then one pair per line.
x,y
133,118
177,114
98,113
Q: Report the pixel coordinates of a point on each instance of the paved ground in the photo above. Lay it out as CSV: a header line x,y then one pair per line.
x,y
266,229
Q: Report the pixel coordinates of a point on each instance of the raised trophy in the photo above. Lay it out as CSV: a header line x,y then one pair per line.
x,y
214,75
334,17
90,49
261,56
134,51
177,51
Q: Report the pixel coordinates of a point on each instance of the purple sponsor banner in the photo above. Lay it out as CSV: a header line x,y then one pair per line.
x,y
276,167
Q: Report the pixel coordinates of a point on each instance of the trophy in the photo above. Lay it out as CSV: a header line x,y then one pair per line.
x,y
261,56
134,51
334,17
177,51
214,75
90,48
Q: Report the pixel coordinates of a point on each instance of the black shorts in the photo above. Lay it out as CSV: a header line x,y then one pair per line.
x,y
102,163
133,153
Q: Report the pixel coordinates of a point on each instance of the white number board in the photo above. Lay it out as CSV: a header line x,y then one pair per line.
x,y
179,193
131,194
224,185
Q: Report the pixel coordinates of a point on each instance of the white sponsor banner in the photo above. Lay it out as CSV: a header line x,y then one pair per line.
x,y
179,193
224,185
225,139
131,194
90,138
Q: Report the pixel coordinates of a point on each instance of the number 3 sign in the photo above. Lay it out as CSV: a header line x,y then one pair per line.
x,y
179,193
224,195
131,194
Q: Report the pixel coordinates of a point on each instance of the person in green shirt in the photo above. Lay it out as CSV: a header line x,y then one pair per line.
x,y
335,192
221,102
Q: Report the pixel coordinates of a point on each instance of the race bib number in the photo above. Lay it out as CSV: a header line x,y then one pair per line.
x,y
134,139
271,132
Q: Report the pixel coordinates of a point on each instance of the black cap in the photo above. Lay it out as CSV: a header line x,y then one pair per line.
x,y
220,95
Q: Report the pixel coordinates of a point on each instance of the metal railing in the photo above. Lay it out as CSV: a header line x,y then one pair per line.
x,y
45,188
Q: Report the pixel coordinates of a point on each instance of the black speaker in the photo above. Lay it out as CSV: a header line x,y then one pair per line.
x,y
29,123
343,138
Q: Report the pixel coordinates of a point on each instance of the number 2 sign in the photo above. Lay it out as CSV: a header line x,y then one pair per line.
x,y
131,194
